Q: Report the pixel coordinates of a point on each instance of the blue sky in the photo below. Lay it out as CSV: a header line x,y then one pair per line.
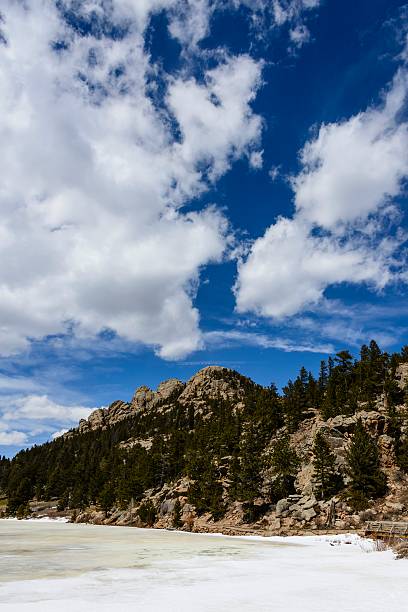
x,y
188,182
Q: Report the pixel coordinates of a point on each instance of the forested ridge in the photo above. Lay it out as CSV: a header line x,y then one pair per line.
x,y
230,448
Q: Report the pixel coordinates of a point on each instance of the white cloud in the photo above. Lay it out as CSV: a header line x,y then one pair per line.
x,y
299,35
24,417
190,21
356,166
291,10
58,434
289,268
256,160
17,383
343,196
226,338
42,408
94,175
12,438
274,173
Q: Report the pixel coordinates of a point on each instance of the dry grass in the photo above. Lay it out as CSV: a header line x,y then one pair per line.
x,y
368,545
401,548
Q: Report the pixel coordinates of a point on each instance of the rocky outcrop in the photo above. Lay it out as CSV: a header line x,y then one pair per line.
x,y
401,375
212,382
104,417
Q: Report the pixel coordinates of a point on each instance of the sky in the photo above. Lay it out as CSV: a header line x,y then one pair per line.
x,y
194,182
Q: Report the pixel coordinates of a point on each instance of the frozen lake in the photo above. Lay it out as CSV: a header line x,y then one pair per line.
x,y
60,567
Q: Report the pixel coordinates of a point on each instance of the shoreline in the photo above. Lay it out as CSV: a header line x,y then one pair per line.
x,y
240,532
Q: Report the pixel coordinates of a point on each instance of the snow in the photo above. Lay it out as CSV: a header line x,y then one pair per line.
x,y
121,569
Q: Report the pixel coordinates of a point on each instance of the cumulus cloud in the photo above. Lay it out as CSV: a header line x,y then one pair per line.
x,y
12,438
22,417
41,407
344,195
356,166
95,172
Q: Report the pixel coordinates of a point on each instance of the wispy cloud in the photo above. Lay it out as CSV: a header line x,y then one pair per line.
x,y
227,338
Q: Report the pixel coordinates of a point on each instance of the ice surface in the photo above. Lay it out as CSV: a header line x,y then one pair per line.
x,y
62,567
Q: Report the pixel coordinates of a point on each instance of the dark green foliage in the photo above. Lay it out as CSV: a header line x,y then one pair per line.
x,y
177,522
107,496
206,492
284,464
20,496
400,440
247,465
147,512
367,481
4,473
299,397
340,397
329,482
401,453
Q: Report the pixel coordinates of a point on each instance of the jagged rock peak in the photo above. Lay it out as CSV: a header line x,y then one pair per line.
x,y
169,388
144,398
215,382
211,382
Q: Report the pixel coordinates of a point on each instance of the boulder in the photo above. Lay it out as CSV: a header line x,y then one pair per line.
x,y
307,502
282,506
167,507
342,423
307,515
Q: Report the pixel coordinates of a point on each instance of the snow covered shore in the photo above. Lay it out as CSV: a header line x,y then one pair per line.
x,y
46,566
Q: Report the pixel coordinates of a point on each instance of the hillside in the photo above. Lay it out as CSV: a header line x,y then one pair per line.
x,y
221,452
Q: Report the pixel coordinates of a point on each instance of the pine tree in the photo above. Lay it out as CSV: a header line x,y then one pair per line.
x,y
324,463
284,464
250,464
401,452
322,382
147,512
206,492
367,481
177,522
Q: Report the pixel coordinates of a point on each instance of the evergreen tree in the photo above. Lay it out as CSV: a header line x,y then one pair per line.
x,y
367,481
107,496
206,492
250,464
147,512
404,353
298,398
340,396
177,522
329,482
401,453
284,464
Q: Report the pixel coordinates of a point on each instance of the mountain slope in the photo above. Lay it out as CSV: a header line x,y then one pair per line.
x,y
219,449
